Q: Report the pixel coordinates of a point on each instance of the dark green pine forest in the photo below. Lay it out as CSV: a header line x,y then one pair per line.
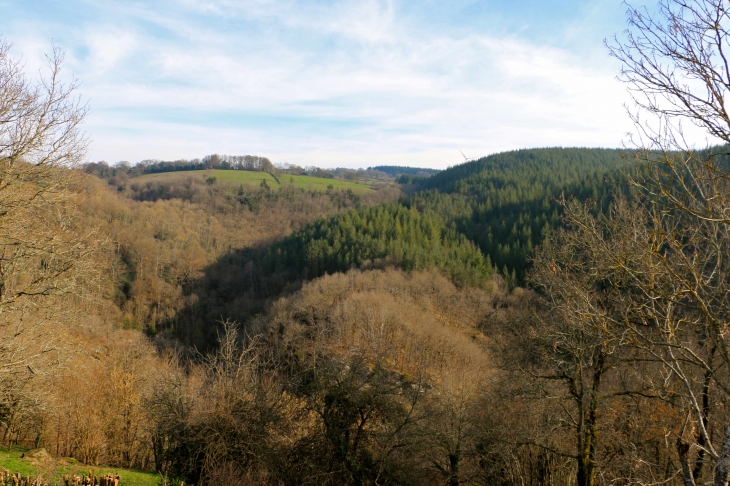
x,y
467,221
410,237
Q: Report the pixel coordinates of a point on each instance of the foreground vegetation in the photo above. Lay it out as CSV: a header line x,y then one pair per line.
x,y
52,470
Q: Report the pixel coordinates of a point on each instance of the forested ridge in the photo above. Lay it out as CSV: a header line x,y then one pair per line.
x,y
504,204
512,197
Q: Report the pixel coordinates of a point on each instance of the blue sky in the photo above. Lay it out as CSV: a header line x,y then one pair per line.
x,y
333,83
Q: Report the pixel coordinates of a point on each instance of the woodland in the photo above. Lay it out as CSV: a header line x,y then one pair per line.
x,y
554,316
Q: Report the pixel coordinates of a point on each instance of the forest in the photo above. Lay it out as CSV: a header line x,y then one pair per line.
x,y
396,170
544,316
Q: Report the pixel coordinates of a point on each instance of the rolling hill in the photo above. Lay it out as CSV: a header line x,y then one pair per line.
x,y
247,177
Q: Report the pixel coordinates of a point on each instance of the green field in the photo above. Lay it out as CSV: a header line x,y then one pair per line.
x,y
10,460
250,177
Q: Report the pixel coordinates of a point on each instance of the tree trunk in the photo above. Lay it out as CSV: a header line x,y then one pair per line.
x,y
585,475
723,463
588,434
697,473
683,451
455,466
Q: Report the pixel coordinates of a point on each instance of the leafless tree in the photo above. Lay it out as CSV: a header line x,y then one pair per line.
x,y
577,347
40,141
44,248
676,67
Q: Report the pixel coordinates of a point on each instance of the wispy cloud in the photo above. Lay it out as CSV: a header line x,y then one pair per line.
x,y
337,83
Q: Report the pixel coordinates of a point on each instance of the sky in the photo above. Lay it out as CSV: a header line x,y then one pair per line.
x,y
348,83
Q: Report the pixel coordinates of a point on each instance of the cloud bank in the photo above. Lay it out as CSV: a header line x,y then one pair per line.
x,y
344,83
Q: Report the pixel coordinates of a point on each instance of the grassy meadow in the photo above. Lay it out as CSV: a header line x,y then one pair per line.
x,y
248,177
53,469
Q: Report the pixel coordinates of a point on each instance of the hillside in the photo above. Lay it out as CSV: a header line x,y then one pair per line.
x,y
388,232
396,170
504,203
467,222
247,177
511,197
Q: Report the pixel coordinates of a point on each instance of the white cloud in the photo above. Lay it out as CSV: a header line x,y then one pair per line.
x,y
342,83
108,48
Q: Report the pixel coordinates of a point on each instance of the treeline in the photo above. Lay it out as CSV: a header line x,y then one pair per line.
x,y
150,166
396,170
125,170
343,173
410,178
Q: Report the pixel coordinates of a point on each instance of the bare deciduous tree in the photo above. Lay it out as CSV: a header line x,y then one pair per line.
x,y
40,141
44,249
676,67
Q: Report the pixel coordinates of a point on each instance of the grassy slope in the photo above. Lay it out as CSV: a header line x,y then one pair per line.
x,y
251,177
10,460
320,184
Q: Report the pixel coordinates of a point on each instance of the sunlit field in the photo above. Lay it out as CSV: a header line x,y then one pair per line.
x,y
253,177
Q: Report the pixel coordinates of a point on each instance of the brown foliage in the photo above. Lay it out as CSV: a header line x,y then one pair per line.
x,y
164,249
401,352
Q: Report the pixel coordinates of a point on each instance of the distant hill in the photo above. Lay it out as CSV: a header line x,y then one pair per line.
x,y
395,170
528,171
247,177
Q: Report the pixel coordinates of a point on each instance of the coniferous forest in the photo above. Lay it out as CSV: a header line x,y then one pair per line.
x,y
545,316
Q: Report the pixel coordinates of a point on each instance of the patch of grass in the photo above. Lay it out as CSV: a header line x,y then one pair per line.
x,y
10,459
248,177
320,184
166,176
244,177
